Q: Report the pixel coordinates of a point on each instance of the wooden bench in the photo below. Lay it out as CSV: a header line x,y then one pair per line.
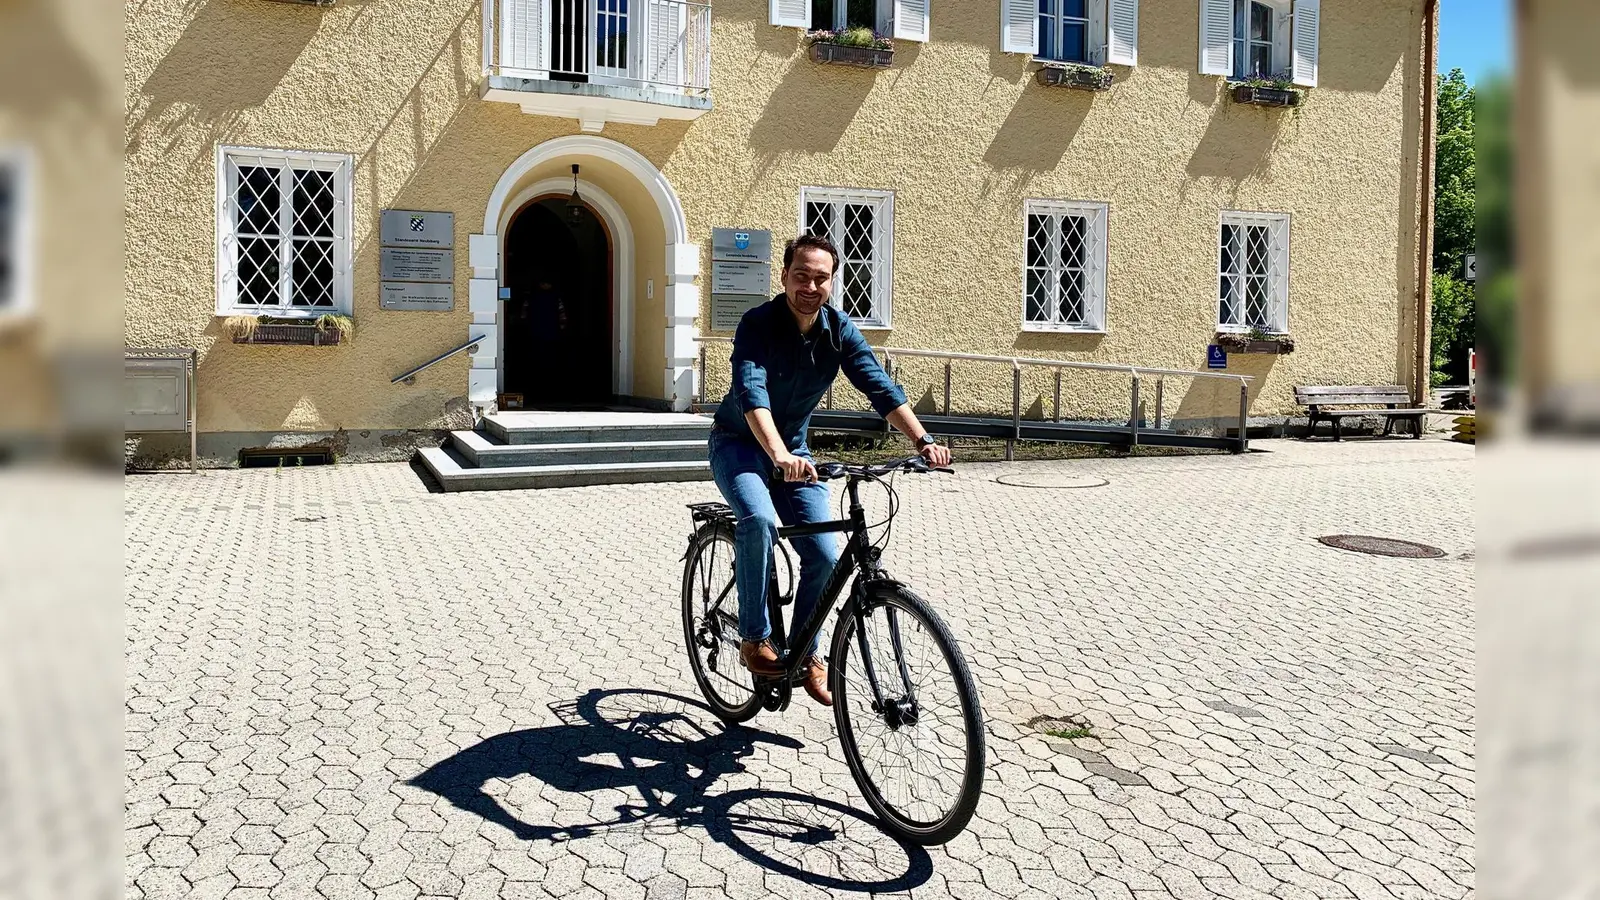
x,y
1392,397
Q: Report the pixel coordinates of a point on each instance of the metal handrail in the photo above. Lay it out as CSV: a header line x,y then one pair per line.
x,y
1027,361
1017,362
411,375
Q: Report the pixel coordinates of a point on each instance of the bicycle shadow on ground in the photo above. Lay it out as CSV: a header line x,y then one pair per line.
x,y
668,752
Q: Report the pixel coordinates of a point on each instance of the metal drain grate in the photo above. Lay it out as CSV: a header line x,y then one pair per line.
x,y
1381,546
1047,480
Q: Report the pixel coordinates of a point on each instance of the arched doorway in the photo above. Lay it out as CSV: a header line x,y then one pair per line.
x,y
558,324
671,286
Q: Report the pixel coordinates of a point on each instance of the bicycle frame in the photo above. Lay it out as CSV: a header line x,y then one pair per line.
x,y
858,557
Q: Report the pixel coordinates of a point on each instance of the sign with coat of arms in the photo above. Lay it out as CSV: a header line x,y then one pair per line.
x,y
741,245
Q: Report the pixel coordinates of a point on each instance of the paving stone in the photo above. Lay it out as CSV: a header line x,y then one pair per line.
x,y
483,695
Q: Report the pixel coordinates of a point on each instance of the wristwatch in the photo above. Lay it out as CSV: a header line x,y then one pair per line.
x,y
926,440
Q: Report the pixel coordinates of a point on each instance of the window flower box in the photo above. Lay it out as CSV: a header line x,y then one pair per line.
x,y
1255,342
1076,75
1280,94
859,47
323,331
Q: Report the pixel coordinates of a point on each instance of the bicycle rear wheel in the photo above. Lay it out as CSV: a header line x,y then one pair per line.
x,y
918,757
711,625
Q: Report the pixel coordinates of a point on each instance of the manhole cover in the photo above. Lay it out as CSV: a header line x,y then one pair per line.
x,y
1379,546
1047,480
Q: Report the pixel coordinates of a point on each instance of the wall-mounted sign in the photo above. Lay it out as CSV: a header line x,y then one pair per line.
x,y
415,228
1216,357
402,264
157,395
416,295
416,260
741,278
728,309
741,245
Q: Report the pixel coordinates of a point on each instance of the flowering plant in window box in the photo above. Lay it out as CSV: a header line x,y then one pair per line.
x,y
1278,90
1254,341
1076,75
852,47
324,331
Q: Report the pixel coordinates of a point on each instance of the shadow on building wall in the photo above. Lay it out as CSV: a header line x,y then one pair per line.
x,y
224,63
1039,129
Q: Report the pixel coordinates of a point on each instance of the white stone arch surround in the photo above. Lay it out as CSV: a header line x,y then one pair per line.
x,y
681,296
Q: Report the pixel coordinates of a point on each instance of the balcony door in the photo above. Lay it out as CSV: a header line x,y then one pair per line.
x,y
570,40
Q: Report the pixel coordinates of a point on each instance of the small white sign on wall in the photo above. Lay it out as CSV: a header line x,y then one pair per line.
x,y
417,295
741,278
728,309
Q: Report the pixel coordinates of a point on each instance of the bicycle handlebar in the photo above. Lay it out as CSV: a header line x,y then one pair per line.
x,y
831,470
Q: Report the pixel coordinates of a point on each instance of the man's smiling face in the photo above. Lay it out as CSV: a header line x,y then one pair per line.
x,y
808,280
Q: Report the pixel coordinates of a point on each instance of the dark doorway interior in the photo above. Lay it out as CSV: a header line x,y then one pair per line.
x,y
558,317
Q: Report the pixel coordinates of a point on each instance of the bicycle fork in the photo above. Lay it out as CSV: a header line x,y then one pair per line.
x,y
896,711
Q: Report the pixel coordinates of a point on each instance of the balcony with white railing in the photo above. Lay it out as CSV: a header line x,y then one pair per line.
x,y
630,61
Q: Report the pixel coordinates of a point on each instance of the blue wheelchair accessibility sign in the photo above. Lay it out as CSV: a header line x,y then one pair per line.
x,y
1216,357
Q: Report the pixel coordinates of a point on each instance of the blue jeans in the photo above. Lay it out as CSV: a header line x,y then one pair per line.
x,y
743,473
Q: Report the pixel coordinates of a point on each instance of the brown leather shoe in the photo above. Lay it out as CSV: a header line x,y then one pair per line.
x,y
816,681
760,658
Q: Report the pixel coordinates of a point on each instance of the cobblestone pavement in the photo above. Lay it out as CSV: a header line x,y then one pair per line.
x,y
341,685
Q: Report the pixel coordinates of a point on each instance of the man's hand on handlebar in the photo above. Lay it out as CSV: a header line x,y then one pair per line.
x,y
794,468
937,455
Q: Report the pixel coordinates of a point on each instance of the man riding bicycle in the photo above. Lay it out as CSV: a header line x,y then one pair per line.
x,y
786,353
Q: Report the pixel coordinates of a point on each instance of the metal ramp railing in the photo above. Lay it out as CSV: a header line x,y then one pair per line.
x,y
1135,431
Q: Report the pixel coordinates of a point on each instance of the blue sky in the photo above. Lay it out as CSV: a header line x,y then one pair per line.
x,y
1475,36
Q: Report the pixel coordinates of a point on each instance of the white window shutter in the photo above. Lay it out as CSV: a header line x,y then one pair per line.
x,y
523,36
1122,32
1019,26
1307,37
911,20
790,13
1216,37
665,48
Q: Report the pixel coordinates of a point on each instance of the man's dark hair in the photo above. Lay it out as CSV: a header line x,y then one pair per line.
x,y
812,241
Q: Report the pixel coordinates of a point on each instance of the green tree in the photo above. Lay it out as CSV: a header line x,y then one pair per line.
x,y
1454,327
1455,173
1497,286
1454,227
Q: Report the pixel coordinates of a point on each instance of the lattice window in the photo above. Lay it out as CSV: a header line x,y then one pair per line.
x,y
860,223
1253,272
1064,283
283,232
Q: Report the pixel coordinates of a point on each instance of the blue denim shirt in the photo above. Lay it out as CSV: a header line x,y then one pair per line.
x,y
777,368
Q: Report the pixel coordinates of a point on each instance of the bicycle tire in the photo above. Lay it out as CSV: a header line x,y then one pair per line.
x,y
897,822
707,537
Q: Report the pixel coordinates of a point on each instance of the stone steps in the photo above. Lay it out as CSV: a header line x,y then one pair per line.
x,y
520,450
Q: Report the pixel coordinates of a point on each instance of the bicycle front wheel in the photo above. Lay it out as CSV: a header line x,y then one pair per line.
x,y
908,715
711,626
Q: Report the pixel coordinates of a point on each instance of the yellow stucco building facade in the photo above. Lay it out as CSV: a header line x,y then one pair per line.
x,y
980,209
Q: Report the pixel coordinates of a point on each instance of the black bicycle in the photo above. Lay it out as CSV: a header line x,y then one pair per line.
x,y
905,702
